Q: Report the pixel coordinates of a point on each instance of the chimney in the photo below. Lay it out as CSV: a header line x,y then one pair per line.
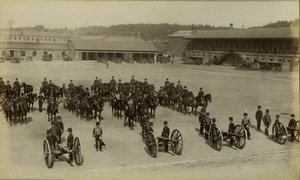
x,y
231,25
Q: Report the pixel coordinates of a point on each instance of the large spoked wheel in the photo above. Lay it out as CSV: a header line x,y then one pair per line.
x,y
216,138
177,144
77,152
151,144
48,157
279,132
297,133
239,141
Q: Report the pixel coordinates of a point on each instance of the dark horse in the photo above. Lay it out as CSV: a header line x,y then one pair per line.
x,y
28,89
52,110
190,101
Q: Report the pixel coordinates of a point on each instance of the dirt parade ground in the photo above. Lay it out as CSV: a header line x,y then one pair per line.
x,y
233,91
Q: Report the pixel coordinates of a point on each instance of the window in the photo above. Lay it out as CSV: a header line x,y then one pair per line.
x,y
22,53
27,38
9,37
23,38
34,53
63,53
20,38
33,38
271,59
54,39
15,38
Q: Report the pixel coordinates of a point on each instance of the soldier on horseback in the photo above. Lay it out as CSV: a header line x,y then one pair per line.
x,y
96,81
45,83
71,85
179,87
132,81
200,94
120,85
167,82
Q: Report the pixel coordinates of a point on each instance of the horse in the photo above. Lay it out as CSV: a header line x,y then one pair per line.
x,y
31,98
203,102
28,89
23,109
52,110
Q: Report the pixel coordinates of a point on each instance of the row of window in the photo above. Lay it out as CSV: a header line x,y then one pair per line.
x,y
33,38
34,53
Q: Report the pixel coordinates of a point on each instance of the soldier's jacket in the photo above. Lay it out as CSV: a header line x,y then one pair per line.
x,y
245,121
259,114
166,132
292,123
201,94
202,117
208,121
231,127
70,141
267,119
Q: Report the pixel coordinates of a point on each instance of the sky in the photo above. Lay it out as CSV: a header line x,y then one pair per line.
x,y
74,14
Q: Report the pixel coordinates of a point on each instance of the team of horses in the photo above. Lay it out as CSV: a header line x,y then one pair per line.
x,y
129,100
17,101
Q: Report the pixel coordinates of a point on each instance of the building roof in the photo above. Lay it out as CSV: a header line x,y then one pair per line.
x,y
4,32
22,45
105,45
261,33
181,33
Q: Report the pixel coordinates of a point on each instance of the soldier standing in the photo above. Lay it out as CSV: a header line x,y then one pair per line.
x,y
97,134
231,129
2,85
292,126
70,141
202,118
167,82
165,133
207,125
267,121
246,123
259,117
179,87
44,83
41,100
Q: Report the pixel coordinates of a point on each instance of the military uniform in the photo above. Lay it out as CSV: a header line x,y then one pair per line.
x,y
165,133
259,117
245,124
70,141
60,128
231,129
267,122
202,118
97,134
292,125
207,125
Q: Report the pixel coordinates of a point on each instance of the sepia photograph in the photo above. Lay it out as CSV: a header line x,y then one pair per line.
x,y
149,89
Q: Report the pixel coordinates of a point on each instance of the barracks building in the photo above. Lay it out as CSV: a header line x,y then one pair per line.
x,y
27,45
278,47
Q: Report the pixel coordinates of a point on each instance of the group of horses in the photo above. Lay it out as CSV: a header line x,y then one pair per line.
x,y
17,101
177,98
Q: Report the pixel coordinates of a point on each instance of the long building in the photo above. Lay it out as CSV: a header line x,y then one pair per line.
x,y
53,46
35,45
278,47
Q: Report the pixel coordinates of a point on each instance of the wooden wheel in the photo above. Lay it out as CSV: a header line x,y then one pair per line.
x,y
151,144
177,144
239,141
279,132
77,152
216,138
297,133
48,156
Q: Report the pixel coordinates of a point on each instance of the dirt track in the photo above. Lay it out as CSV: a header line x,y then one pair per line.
x,y
233,91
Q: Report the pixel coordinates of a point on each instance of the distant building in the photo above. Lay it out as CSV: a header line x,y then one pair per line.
x,y
278,47
177,42
114,49
35,45
48,46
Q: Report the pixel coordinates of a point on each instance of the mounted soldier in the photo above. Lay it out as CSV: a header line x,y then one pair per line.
x,y
71,85
132,81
